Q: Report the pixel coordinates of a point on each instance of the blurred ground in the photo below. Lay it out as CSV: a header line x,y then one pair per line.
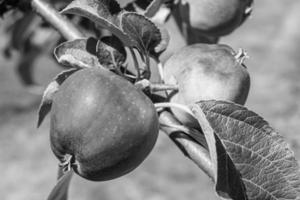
x,y
28,167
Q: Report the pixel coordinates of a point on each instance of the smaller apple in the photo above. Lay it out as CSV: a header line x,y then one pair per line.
x,y
214,17
204,72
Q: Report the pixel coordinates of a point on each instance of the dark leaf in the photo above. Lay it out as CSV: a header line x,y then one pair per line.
x,y
110,52
60,190
104,13
79,53
144,33
242,144
51,89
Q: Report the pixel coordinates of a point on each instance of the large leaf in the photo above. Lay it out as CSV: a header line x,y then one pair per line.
x,y
104,13
60,190
144,33
242,144
49,92
79,53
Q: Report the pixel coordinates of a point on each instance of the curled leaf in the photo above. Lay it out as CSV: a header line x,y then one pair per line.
x,y
79,53
243,147
49,92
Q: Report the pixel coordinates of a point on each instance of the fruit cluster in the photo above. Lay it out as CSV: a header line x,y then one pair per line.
x,y
103,119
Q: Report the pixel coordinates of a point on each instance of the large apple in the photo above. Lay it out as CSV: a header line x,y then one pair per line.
x,y
103,123
204,72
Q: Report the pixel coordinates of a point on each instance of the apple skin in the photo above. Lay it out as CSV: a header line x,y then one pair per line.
x,y
102,121
214,17
205,72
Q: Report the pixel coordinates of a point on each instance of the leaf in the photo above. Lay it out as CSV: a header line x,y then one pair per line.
x,y
104,13
242,140
60,190
153,8
49,92
79,53
228,182
144,33
110,52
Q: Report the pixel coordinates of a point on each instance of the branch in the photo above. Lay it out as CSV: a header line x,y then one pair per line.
x,y
193,150
59,22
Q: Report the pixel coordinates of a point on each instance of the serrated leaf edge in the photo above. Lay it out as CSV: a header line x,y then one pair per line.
x,y
146,18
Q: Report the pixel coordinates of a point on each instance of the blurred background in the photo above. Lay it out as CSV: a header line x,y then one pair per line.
x,y
28,168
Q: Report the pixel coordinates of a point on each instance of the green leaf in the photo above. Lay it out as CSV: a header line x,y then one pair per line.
x,y
110,52
244,147
49,92
79,53
60,190
104,13
144,33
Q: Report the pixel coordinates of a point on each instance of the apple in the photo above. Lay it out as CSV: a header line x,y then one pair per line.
x,y
102,124
214,17
204,72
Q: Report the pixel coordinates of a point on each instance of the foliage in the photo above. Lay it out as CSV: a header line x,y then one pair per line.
x,y
238,149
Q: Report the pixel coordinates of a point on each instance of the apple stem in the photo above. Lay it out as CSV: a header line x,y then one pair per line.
x,y
147,67
145,84
157,87
161,71
174,105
